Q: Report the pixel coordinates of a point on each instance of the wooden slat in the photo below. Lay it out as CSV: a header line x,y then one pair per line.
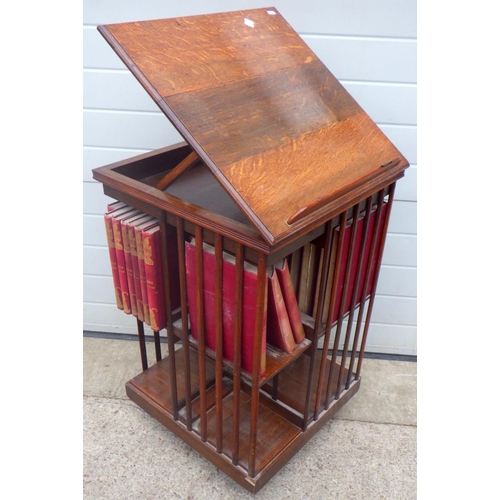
x,y
184,319
187,162
142,345
359,266
201,331
363,294
165,242
218,340
238,325
257,354
156,336
377,268
319,314
338,331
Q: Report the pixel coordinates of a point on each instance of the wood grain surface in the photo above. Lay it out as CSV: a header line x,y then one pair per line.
x,y
277,130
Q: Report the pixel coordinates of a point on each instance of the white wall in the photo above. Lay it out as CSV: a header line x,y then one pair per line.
x,y
369,45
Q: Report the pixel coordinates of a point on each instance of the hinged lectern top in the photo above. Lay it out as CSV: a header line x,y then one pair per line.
x,y
275,127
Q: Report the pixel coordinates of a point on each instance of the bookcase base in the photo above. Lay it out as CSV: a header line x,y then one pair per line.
x,y
280,439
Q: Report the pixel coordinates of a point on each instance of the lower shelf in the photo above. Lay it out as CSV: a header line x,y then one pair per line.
x,y
278,438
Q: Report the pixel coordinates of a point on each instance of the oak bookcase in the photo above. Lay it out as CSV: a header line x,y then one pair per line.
x,y
277,156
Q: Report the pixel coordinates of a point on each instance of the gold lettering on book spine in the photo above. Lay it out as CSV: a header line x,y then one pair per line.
x,y
132,244
154,325
118,294
126,246
140,253
126,302
148,251
109,235
118,236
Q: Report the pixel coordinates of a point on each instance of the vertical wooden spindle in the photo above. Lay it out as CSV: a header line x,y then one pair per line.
x,y
364,291
257,355
331,311
142,345
317,324
326,338
218,341
343,301
357,279
166,232
156,336
379,253
201,332
238,325
184,319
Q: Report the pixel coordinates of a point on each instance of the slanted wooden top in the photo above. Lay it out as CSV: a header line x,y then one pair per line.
x,y
275,127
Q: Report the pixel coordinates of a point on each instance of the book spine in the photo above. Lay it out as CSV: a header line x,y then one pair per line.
x,y
142,276
135,272
292,307
112,257
128,268
279,332
120,260
208,294
344,253
152,264
249,297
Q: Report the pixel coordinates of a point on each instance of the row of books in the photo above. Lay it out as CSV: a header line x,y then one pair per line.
x,y
135,254
282,325
308,262
134,250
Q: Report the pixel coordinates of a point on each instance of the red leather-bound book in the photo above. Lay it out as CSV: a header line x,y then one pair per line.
x,y
249,302
292,306
131,259
127,252
117,217
112,258
279,330
142,269
357,250
154,274
151,242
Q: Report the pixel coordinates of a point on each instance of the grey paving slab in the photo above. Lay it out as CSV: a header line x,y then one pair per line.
x,y
129,455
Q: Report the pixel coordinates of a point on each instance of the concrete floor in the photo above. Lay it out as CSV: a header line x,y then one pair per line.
x,y
369,451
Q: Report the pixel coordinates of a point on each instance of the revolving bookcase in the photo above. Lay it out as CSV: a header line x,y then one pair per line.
x,y
278,162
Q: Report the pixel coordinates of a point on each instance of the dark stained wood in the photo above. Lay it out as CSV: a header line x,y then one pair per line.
x,y
273,431
156,336
354,231
184,320
238,326
364,294
276,359
293,391
376,263
201,338
166,233
218,338
154,382
142,345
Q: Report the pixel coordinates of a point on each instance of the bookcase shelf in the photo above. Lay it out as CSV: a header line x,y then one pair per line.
x,y
276,359
279,166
